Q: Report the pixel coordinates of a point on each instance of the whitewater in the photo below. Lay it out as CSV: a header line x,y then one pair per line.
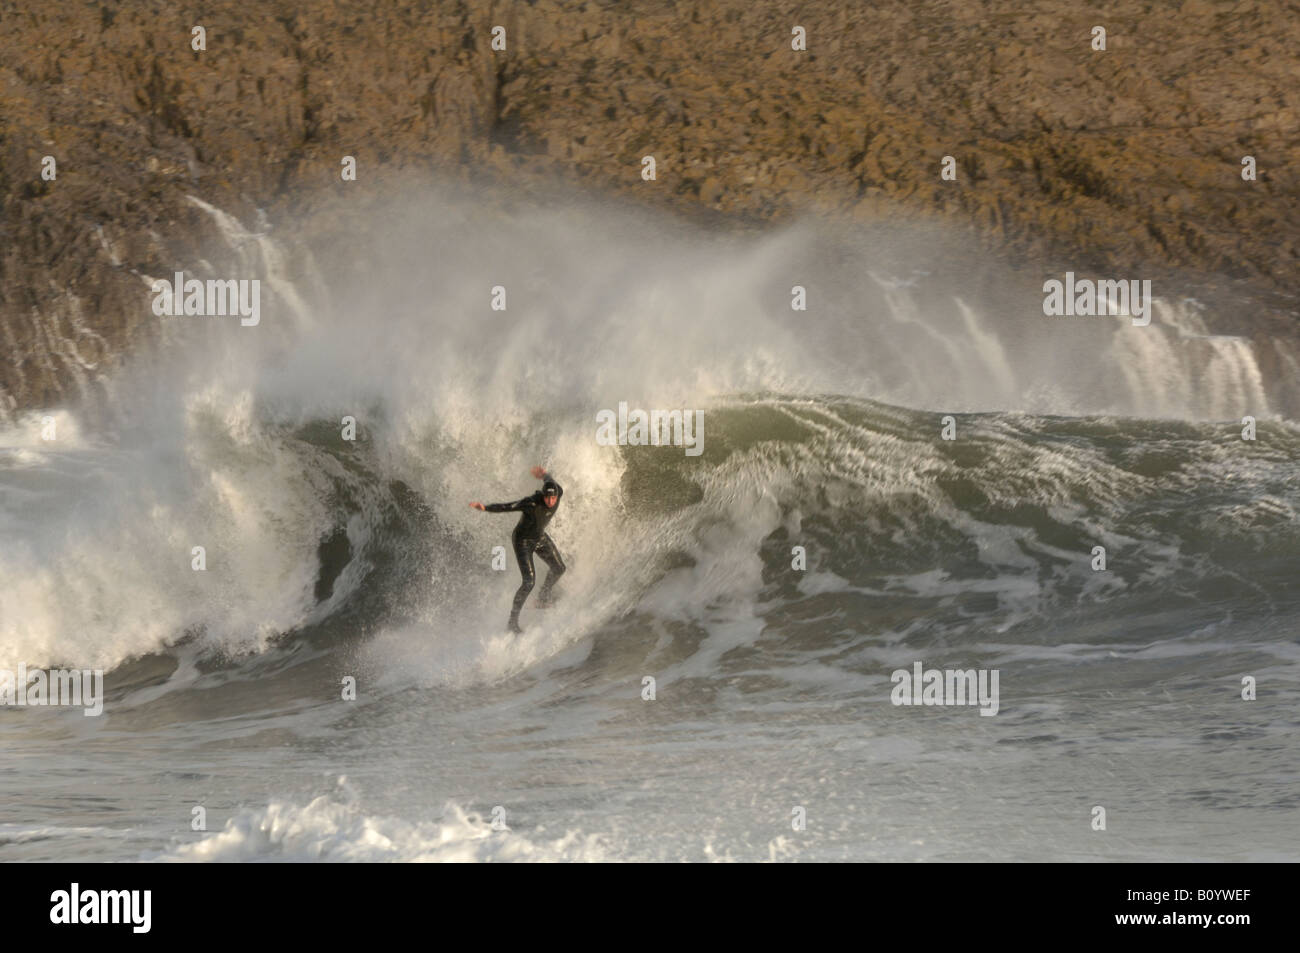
x,y
331,562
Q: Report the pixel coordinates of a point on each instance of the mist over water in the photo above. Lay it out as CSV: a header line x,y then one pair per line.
x,y
328,558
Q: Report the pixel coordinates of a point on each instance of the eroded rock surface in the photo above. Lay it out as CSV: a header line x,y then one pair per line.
x,y
1122,160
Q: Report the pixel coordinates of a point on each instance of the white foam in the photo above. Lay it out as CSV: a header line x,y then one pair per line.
x,y
328,829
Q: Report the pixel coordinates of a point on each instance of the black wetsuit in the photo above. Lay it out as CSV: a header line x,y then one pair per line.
x,y
530,537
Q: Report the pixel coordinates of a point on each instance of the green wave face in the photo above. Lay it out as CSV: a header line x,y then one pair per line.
x,y
995,529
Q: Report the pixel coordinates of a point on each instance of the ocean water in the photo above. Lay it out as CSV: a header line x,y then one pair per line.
x,y
329,560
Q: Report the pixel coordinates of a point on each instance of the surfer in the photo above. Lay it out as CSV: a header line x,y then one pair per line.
x,y
530,537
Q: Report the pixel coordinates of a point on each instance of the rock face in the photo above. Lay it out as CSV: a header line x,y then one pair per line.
x,y
1125,160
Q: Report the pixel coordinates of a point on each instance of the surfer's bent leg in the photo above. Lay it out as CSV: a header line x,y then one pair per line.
x,y
551,556
524,554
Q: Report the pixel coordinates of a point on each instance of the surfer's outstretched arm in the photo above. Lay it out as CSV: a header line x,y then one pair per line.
x,y
504,507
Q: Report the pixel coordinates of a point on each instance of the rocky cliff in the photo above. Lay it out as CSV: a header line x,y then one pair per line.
x,y
1126,160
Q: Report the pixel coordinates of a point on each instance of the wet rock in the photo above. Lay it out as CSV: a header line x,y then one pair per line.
x,y
1118,160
